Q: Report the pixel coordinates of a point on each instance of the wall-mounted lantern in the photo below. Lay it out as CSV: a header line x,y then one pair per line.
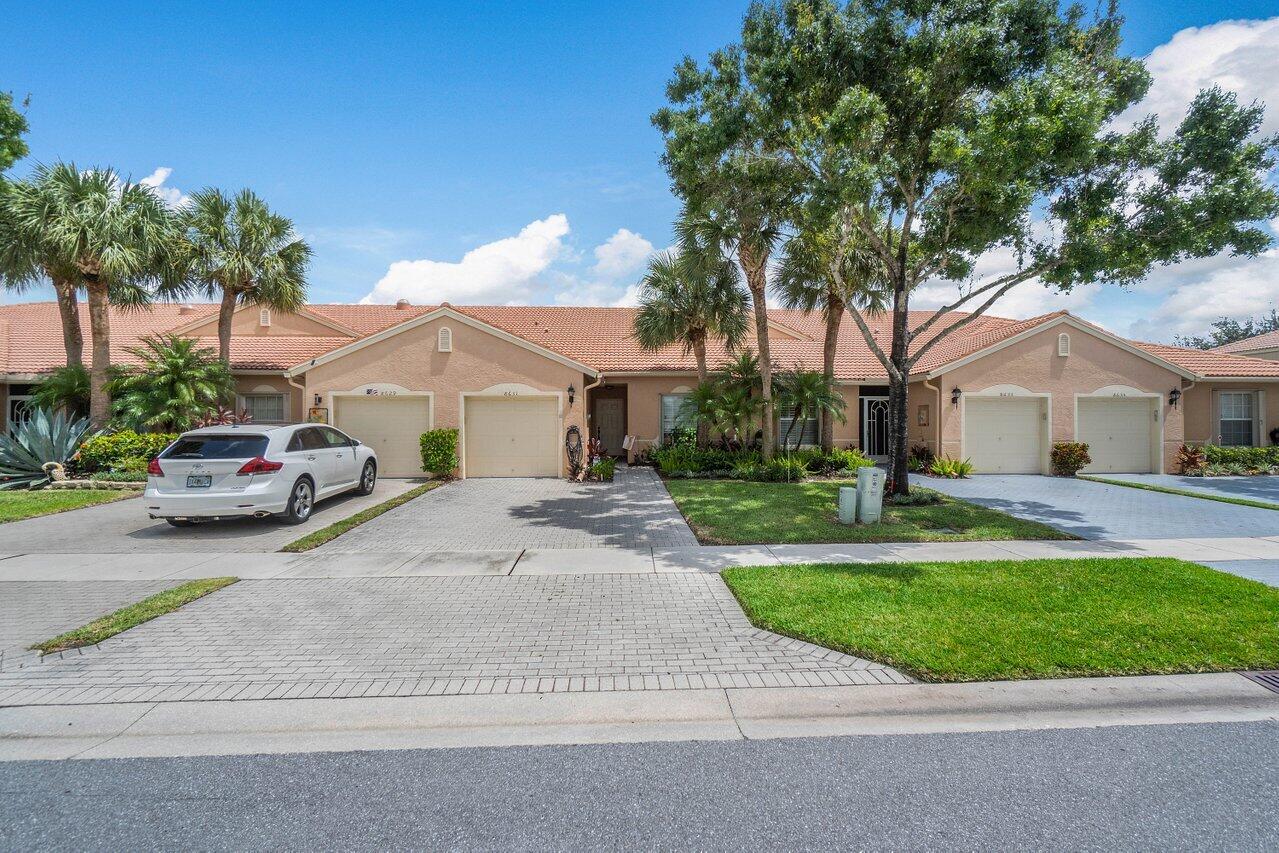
x,y
317,399
1173,396
571,393
954,395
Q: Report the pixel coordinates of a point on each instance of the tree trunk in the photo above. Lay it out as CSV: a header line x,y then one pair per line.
x,y
225,314
756,280
834,316
69,309
897,388
699,355
100,329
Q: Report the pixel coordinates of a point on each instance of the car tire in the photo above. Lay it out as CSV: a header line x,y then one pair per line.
x,y
368,479
301,502
180,522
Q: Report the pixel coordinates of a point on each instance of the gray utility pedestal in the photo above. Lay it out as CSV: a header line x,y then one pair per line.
x,y
870,494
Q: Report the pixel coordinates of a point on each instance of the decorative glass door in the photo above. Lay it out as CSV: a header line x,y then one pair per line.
x,y
875,428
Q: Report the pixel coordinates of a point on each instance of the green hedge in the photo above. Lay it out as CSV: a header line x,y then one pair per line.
x,y
684,460
439,451
123,450
1240,460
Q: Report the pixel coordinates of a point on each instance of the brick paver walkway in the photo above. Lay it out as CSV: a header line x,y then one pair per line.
x,y
417,636
634,511
32,611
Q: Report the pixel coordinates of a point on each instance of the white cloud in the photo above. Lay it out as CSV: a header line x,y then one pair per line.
x,y
1199,292
172,196
502,271
623,253
1240,56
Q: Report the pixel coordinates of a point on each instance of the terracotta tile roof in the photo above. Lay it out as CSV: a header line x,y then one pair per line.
x,y
31,338
1266,340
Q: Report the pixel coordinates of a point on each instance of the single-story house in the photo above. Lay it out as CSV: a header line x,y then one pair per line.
x,y
513,379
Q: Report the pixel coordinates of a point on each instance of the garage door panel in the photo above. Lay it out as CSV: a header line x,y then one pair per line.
x,y
1117,431
391,426
1002,435
512,437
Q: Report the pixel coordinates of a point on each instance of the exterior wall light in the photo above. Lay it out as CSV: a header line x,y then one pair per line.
x,y
571,393
317,399
954,395
1173,396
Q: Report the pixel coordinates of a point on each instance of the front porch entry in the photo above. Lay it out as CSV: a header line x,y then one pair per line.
x,y
608,416
874,423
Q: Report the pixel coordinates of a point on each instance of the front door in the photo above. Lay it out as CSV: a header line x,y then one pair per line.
x,y
610,423
875,427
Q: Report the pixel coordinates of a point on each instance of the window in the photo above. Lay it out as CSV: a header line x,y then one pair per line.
x,y
672,418
243,446
265,408
264,317
1063,344
333,438
1238,414
307,439
445,342
805,432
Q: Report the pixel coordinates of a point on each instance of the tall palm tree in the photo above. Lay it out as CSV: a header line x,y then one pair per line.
x,y
115,235
803,394
176,383
26,208
805,282
237,251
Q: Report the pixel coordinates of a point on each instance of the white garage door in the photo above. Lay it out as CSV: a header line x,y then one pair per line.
x,y
1001,434
1117,432
392,426
512,437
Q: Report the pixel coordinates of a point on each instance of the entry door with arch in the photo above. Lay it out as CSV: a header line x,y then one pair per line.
x,y
875,427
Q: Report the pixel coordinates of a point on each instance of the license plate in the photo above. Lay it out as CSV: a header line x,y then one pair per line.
x,y
199,481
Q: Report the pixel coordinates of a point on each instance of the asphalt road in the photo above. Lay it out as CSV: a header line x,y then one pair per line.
x,y
1170,787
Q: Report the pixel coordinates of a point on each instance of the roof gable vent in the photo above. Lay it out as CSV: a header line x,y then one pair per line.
x,y
445,339
1063,344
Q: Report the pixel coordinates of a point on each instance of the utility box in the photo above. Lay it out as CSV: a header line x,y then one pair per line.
x,y
870,494
847,504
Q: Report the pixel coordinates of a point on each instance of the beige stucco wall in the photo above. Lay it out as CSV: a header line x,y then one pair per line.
x,y
1033,364
479,361
1200,407
295,406
918,395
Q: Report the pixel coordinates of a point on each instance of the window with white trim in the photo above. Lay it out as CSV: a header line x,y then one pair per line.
x,y
805,432
672,418
264,317
1237,413
444,342
265,408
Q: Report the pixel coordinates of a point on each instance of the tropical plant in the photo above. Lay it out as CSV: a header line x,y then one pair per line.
x,y
806,394
781,469
921,458
112,235
237,251
43,439
177,382
439,452
1069,457
66,388
603,469
731,409
1191,460
118,450
220,415
953,469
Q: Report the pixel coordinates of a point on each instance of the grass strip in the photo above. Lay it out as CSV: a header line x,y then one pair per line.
x,y
733,512
1016,619
1169,490
18,504
135,614
316,538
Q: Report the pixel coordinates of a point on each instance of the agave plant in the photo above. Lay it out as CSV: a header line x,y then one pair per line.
x,y
42,438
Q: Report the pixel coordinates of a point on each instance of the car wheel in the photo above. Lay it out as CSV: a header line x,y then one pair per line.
x,y
368,479
301,502
180,522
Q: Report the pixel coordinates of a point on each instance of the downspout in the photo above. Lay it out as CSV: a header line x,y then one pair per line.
x,y
288,377
599,380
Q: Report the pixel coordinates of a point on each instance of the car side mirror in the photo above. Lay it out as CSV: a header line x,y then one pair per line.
x,y
355,442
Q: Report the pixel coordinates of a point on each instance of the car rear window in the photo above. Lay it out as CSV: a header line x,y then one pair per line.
x,y
217,447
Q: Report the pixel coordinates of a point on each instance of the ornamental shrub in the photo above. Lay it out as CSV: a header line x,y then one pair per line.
x,y
1068,457
779,469
1191,460
1240,460
952,469
603,469
121,450
439,452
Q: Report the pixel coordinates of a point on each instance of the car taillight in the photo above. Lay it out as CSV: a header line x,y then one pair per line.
x,y
154,469
258,465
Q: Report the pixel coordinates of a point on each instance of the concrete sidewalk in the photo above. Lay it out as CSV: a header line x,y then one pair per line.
x,y
546,561
318,725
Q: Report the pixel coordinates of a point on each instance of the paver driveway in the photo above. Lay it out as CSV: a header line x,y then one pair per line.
x,y
634,511
1101,511
407,636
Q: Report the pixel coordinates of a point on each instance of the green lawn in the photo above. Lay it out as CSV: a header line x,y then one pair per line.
x,y
732,512
972,621
1169,490
135,614
316,538
18,504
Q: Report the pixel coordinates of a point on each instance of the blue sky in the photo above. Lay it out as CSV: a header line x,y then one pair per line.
x,y
401,137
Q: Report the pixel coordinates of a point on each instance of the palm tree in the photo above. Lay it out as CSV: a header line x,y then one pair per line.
x,y
26,258
239,252
66,389
805,393
114,235
804,282
176,383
